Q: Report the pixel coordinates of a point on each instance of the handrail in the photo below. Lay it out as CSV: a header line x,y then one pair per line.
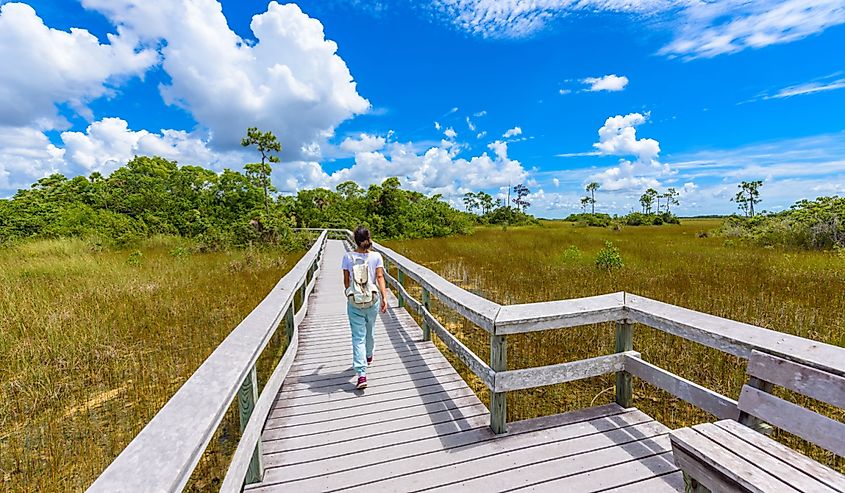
x,y
726,335
166,451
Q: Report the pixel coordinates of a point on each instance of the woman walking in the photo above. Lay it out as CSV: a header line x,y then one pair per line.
x,y
363,278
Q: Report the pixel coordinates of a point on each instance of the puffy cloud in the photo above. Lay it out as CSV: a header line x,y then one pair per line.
x,y
618,137
364,143
611,82
43,67
290,80
450,133
513,132
25,156
556,182
109,143
728,26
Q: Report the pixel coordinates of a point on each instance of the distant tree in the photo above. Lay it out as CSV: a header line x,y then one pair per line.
x,y
591,189
748,196
521,192
470,201
671,199
646,201
349,190
485,201
267,145
585,201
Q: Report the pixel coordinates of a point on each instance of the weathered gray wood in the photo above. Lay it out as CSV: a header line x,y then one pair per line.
x,y
777,468
247,395
785,454
473,362
750,420
716,404
498,400
251,434
426,303
698,477
164,454
527,378
624,343
516,319
733,337
717,467
400,278
821,430
803,379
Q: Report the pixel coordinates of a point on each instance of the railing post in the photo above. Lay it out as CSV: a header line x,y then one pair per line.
x,y
751,421
302,300
400,278
289,322
498,400
624,342
426,301
247,396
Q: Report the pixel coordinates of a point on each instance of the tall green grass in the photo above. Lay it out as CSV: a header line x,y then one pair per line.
x,y
798,292
93,343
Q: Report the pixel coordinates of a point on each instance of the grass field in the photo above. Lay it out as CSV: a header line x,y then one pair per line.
x,y
93,343
798,292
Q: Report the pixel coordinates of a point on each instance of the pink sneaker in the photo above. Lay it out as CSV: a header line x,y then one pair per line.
x,y
362,383
369,360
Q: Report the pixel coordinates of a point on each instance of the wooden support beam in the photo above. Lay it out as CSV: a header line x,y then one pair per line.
x,y
247,396
624,342
426,301
498,400
289,322
751,421
400,278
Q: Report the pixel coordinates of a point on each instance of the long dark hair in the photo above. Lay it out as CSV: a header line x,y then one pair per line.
x,y
362,238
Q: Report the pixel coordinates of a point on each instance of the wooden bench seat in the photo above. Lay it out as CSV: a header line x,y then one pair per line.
x,y
728,456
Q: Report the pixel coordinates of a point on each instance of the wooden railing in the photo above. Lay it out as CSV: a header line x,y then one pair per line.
x,y
625,310
164,454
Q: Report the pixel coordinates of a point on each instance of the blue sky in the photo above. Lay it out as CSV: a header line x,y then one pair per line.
x,y
449,95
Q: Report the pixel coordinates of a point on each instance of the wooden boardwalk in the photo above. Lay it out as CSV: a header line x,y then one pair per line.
x,y
419,426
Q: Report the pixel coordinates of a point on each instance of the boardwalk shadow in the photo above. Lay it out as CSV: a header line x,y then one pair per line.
x,y
447,416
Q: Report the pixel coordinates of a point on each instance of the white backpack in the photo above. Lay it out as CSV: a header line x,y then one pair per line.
x,y
361,287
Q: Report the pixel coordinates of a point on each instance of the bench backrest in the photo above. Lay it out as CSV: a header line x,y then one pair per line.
x,y
811,382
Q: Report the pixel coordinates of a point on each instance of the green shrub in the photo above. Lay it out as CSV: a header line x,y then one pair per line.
x,y
135,258
571,254
609,257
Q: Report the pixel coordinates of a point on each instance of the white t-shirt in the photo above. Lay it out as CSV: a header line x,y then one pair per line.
x,y
374,261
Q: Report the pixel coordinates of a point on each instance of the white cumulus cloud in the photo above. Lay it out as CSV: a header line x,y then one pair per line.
x,y
42,67
611,82
290,80
513,132
618,137
364,143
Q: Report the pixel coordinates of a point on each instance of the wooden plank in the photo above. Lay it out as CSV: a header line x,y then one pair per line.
x,y
716,404
498,400
814,469
703,478
798,377
166,451
527,378
583,464
821,430
667,483
320,407
733,337
471,454
283,439
782,470
473,362
347,386
715,466
333,380
529,317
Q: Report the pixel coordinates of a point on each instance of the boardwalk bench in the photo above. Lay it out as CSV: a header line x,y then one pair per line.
x,y
729,456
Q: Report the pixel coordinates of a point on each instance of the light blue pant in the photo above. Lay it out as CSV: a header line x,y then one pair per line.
x,y
362,322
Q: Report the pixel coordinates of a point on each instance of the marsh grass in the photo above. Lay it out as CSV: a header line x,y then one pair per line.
x,y
94,342
798,292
